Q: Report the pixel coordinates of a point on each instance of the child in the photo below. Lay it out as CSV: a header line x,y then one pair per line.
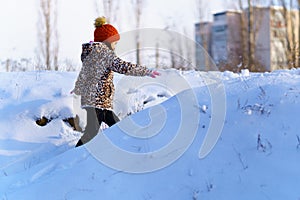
x,y
95,80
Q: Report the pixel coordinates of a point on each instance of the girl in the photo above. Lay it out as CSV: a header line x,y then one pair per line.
x,y
95,80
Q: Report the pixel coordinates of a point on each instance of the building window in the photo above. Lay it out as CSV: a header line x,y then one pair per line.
x,y
220,28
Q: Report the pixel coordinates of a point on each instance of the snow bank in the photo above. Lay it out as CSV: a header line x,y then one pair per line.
x,y
256,156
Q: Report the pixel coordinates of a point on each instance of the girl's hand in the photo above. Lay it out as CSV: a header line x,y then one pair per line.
x,y
72,91
154,74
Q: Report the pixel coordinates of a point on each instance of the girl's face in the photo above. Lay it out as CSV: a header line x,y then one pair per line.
x,y
113,45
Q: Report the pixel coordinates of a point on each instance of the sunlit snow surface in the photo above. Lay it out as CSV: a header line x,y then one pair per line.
x,y
256,157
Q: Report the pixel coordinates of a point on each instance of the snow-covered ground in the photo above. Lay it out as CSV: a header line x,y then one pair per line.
x,y
154,152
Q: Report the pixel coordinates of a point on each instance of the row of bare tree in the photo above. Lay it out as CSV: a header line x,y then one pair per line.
x,y
252,23
48,44
293,48
48,47
250,29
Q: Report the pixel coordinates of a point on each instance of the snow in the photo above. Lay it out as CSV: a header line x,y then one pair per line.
x,y
155,153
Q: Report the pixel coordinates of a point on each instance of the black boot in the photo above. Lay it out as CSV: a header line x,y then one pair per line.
x,y
79,143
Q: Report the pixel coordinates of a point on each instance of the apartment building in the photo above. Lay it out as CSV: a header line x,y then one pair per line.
x,y
203,39
226,38
275,32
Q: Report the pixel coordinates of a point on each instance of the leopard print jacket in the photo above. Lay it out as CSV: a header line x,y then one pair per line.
x,y
95,80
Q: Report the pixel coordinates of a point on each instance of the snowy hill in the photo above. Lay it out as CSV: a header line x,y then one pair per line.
x,y
155,153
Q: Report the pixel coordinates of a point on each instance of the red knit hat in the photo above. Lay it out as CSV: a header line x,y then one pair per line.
x,y
105,32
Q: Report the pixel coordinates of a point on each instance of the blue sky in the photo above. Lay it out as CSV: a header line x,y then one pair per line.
x,y
18,21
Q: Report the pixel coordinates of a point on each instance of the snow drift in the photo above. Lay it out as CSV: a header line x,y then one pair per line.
x,y
257,155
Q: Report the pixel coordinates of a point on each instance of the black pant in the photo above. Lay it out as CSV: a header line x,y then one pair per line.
x,y
95,117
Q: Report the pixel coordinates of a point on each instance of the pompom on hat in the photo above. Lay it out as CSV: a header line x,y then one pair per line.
x,y
105,32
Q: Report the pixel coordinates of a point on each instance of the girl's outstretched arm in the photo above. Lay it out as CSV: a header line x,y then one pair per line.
x,y
127,68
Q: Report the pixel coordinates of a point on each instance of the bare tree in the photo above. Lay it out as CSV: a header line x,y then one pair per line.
x,y
189,50
287,27
290,38
243,35
55,38
157,54
251,20
298,33
204,34
110,8
201,10
48,35
251,40
7,65
138,6
180,51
